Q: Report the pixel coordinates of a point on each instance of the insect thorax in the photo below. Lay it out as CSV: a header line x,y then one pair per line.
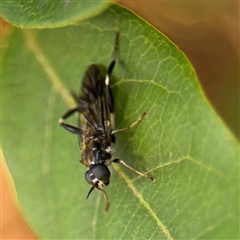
x,y
96,151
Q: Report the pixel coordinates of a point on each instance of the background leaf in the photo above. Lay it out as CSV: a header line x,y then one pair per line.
x,y
49,14
181,141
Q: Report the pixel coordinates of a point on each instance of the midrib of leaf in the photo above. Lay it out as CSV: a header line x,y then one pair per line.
x,y
34,47
46,167
56,81
142,200
95,216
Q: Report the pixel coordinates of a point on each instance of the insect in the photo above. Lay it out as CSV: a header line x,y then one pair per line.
x,y
95,108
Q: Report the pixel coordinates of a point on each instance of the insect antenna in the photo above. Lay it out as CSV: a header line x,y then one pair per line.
x,y
92,188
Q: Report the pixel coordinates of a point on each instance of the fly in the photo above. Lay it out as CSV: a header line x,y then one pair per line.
x,y
95,108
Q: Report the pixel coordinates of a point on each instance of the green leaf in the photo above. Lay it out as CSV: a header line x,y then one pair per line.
x,y
181,141
49,14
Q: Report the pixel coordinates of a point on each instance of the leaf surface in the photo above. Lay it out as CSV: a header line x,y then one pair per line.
x,y
181,141
49,14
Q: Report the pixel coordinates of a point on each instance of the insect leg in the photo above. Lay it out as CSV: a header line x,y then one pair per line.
x,y
132,125
110,98
105,198
110,101
117,160
67,126
114,56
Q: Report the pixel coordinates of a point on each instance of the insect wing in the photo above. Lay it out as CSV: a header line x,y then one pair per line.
x,y
93,108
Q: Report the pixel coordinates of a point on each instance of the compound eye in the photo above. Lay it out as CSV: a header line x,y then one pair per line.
x,y
98,175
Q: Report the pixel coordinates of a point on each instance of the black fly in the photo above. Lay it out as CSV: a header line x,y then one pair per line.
x,y
95,106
